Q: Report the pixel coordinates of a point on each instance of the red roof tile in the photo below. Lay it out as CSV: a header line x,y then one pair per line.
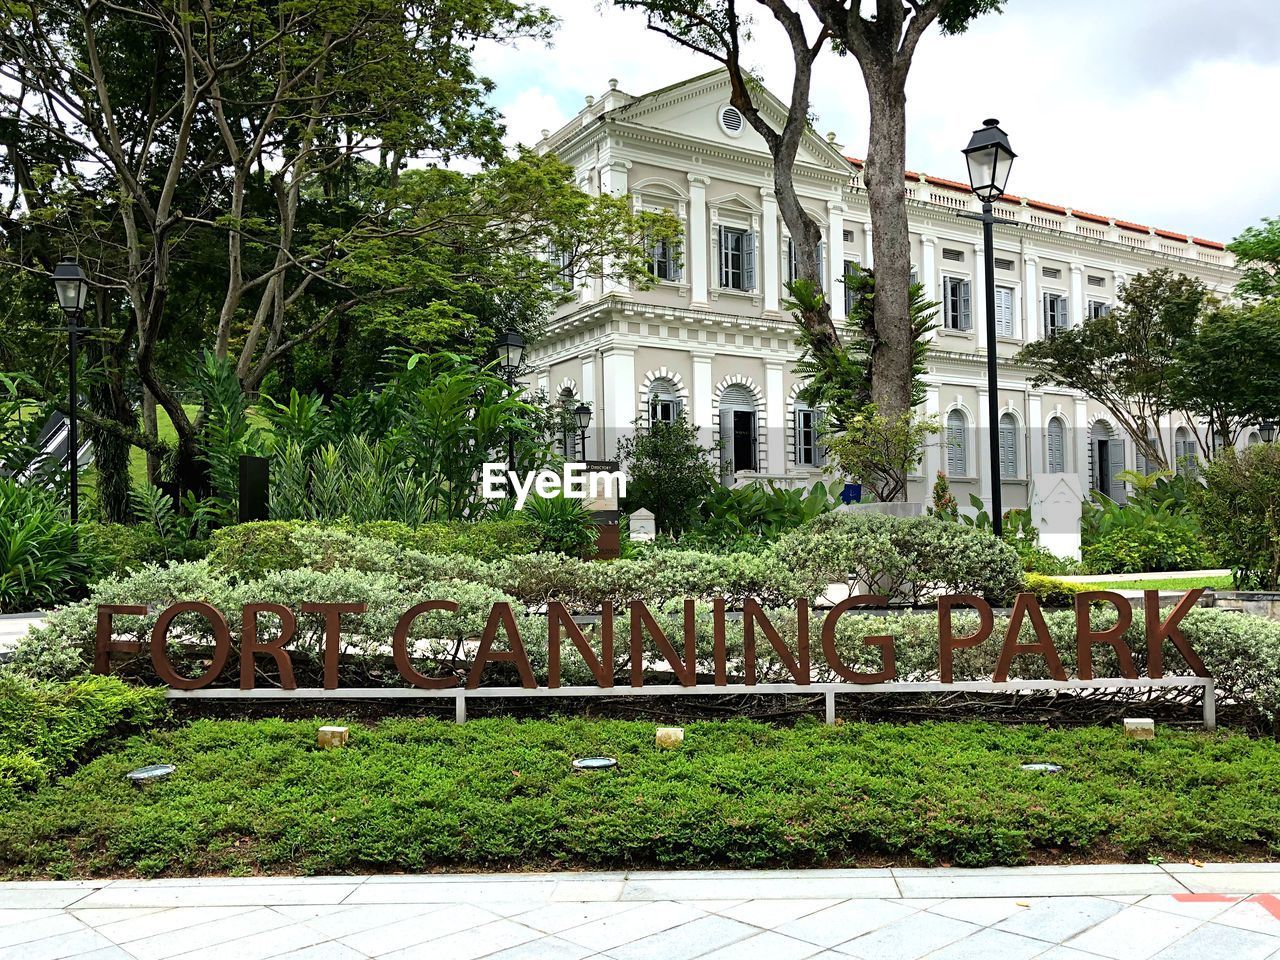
x,y
1211,244
1050,207
1170,235
1136,227
1093,217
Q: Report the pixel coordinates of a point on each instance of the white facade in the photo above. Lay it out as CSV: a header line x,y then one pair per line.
x,y
712,337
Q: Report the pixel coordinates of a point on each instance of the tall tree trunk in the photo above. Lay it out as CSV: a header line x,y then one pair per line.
x,y
107,398
151,428
893,348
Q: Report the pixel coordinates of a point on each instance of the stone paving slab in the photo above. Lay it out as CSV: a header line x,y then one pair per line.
x,y
1120,912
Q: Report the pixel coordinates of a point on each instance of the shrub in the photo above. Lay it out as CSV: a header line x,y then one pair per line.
x,y
1173,545
252,549
40,564
758,513
909,559
668,472
562,525
116,549
1239,511
494,539
45,727
1050,591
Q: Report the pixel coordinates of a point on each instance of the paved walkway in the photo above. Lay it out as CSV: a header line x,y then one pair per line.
x,y
1171,912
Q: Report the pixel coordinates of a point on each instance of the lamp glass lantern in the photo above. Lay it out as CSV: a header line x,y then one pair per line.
x,y
1267,430
582,413
989,158
72,287
510,351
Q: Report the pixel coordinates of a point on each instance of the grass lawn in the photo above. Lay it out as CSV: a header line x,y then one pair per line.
x,y
414,795
1222,582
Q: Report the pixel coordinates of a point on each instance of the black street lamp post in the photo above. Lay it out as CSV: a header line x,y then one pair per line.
x,y
989,159
1267,430
73,291
582,413
510,356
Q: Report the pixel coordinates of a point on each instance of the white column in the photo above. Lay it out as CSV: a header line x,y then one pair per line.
x,y
983,448
869,259
613,181
1035,429
1077,294
835,258
932,449
696,252
619,378
587,390
1032,320
769,248
700,396
1080,425
773,454
978,296
929,267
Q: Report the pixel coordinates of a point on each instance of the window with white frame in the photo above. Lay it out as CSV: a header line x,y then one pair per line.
x,y
1056,315
1097,308
568,425
957,305
1185,453
664,264
808,451
664,404
1056,437
957,437
737,259
1004,312
1008,446
564,260
851,267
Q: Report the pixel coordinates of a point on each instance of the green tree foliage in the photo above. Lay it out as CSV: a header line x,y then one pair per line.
x,y
669,472
1239,511
1127,359
1257,251
1229,371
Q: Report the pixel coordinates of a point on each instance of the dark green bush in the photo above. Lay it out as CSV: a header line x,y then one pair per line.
x,y
251,550
1172,545
1239,511
46,727
482,539
117,549
40,563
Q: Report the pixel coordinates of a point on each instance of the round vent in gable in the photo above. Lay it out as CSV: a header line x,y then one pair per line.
x,y
731,120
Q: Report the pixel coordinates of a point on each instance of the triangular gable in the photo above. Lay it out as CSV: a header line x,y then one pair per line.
x,y
690,110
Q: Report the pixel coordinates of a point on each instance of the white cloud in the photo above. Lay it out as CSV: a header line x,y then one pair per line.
x,y
1150,110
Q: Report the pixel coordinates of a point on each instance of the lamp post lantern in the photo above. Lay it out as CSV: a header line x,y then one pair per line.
x,y
1267,430
582,413
989,159
510,356
72,288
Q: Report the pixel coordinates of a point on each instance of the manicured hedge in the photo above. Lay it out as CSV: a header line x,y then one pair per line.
x,y
45,727
415,795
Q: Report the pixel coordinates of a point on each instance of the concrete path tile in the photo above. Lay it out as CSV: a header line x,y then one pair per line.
x,y
649,918
1213,941
1201,908
323,951
686,941
991,945
768,945
555,917
215,895
57,947
908,939
1222,881
714,906
1193,869
771,913
1056,919
844,921
1064,870
984,911
10,917
105,953
548,948
983,884
580,890
470,944
100,917
161,946
165,921
42,897
418,929
761,888
51,925
456,891
349,920
1261,914
1135,934
260,946
1066,953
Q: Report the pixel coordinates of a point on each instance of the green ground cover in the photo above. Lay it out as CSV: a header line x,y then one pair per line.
x,y
412,795
1222,582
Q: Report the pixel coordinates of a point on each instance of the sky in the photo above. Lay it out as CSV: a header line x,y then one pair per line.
x,y
1162,112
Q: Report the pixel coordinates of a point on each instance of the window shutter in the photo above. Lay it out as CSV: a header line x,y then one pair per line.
x,y
819,451
1048,318
823,280
1008,447
724,257
749,261
791,260
726,441
797,438
1057,457
966,306
956,443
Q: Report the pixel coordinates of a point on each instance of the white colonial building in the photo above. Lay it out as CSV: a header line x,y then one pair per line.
x,y
712,338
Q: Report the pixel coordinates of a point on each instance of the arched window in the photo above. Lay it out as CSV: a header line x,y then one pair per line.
x,y
1106,451
664,404
1057,442
957,444
1184,452
568,425
737,429
1008,446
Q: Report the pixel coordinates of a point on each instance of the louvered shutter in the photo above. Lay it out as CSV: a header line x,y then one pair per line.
x,y
1057,453
956,442
797,438
749,261
1048,318
726,442
791,260
1008,447
724,257
819,451
824,282
966,306
1115,464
